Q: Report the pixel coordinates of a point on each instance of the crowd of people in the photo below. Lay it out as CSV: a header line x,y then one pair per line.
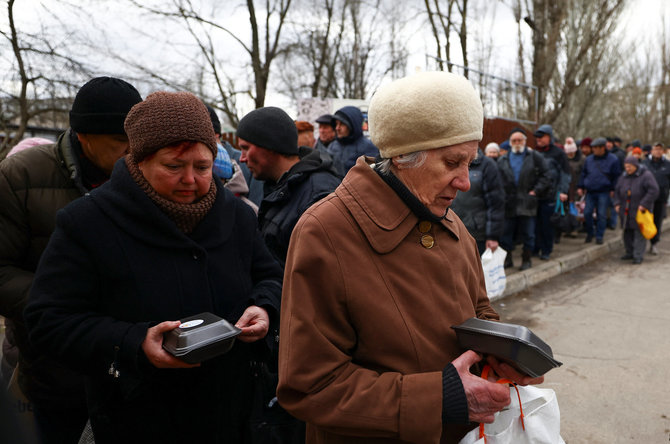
x,y
328,253
591,183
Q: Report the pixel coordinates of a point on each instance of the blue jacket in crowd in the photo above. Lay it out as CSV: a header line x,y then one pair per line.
x,y
346,150
600,173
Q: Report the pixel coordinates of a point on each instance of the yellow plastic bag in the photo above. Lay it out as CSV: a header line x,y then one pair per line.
x,y
645,220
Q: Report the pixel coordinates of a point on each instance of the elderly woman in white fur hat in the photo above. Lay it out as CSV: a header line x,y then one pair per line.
x,y
379,271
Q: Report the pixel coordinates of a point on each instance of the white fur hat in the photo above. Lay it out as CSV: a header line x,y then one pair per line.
x,y
424,111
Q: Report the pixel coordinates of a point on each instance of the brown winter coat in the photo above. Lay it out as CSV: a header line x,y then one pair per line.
x,y
367,314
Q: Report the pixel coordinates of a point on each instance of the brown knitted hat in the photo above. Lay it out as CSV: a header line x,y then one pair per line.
x,y
166,118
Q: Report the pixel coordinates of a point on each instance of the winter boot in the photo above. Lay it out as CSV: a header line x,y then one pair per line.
x,y
525,260
509,263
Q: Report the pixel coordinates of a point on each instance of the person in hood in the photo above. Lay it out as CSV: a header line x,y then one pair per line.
x,y
295,177
350,143
161,241
35,184
635,191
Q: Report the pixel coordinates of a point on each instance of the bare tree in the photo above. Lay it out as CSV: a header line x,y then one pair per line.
x,y
262,46
39,82
343,49
443,21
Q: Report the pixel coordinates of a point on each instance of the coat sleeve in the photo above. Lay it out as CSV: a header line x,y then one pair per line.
x,y
62,313
494,196
565,174
650,188
543,180
15,280
318,380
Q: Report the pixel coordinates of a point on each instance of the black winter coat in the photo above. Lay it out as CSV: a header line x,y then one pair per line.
x,y
117,265
307,182
482,208
661,171
559,170
534,177
34,185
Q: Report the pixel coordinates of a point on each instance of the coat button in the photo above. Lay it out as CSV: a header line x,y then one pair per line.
x,y
195,255
425,226
427,241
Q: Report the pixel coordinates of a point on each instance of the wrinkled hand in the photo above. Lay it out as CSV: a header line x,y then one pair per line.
x,y
506,371
641,208
563,197
255,323
492,244
485,397
153,347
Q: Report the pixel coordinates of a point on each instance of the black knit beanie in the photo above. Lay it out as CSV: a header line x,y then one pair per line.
x,y
101,106
167,118
270,128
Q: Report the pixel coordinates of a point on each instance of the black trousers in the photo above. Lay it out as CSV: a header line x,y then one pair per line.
x,y
659,215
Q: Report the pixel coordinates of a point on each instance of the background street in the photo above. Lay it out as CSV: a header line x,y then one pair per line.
x,y
609,323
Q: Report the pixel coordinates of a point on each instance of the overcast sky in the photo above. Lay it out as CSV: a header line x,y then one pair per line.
x,y
494,24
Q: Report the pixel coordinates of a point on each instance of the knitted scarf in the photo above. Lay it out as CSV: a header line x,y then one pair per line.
x,y
185,216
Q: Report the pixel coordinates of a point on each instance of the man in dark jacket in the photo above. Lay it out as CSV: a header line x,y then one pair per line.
x,y
525,177
34,185
350,143
294,178
660,168
482,207
559,169
326,133
598,179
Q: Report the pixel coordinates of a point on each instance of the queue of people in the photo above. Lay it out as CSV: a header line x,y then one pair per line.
x,y
581,176
139,216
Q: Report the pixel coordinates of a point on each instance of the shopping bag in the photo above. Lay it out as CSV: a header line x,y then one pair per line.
x,y
533,417
493,263
645,220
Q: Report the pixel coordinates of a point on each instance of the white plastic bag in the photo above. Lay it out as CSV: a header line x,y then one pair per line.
x,y
493,263
541,420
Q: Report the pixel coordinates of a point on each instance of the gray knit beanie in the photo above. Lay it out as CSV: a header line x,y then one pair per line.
x,y
167,118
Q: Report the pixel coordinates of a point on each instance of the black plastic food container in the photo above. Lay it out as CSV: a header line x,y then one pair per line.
x,y
200,337
512,343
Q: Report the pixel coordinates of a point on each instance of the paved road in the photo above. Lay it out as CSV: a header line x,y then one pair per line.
x,y
609,323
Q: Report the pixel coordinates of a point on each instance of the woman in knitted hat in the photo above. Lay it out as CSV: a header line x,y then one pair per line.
x,y
635,190
161,241
379,271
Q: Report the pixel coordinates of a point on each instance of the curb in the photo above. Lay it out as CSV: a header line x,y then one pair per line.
x,y
523,280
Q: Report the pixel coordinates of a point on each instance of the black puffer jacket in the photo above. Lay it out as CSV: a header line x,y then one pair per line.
x,y
482,208
534,177
308,181
34,184
661,170
134,268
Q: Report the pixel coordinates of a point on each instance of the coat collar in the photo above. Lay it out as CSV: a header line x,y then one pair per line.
x,y
382,216
124,202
